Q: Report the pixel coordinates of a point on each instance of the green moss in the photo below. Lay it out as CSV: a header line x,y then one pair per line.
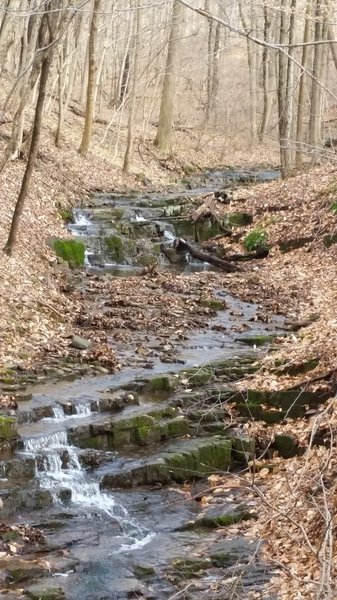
x,y
186,568
145,435
239,219
273,407
66,215
256,340
8,427
243,448
188,169
177,427
114,247
283,368
207,229
117,213
225,520
256,240
213,303
285,445
72,251
330,239
199,376
146,260
161,384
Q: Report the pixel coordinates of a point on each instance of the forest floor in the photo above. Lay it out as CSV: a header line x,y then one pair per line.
x,y
38,318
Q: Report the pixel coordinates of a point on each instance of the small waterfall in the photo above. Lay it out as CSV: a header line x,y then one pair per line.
x,y
81,219
83,410
58,467
58,412
169,236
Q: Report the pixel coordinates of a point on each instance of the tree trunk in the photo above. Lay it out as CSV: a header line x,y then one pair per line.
x,y
289,150
63,77
302,92
33,152
266,76
282,92
163,138
315,122
333,48
252,64
136,44
9,27
92,75
209,61
215,75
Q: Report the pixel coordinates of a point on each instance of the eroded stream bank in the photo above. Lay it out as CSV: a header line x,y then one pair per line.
x,y
114,466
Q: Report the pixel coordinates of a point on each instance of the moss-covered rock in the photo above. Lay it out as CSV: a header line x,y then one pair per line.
x,y
66,214
162,383
330,239
70,250
213,303
19,570
211,521
180,461
41,591
295,243
284,368
239,219
273,407
256,340
187,568
243,448
286,445
114,248
146,260
8,427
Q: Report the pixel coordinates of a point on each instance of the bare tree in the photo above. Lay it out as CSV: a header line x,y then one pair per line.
x,y
126,164
302,92
163,138
266,74
92,78
44,40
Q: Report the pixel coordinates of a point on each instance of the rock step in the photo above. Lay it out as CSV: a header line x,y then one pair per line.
x,y
178,461
135,426
108,401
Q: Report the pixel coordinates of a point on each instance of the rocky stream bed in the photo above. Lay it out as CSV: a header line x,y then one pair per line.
x,y
112,468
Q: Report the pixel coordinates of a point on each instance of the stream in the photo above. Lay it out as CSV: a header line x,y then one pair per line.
x,y
101,462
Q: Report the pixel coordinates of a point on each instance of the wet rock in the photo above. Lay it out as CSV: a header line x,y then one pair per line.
x,y
19,468
243,448
64,495
18,570
162,383
256,340
188,568
220,515
178,461
143,571
80,343
231,551
42,591
24,498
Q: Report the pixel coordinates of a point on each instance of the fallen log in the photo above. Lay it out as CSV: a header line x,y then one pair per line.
x,y
181,246
259,253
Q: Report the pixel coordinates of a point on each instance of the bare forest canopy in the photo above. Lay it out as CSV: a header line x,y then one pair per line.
x,y
259,71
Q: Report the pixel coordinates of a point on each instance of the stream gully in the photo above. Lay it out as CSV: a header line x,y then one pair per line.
x,y
113,544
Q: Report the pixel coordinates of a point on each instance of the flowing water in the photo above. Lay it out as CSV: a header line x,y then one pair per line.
x,y
118,543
